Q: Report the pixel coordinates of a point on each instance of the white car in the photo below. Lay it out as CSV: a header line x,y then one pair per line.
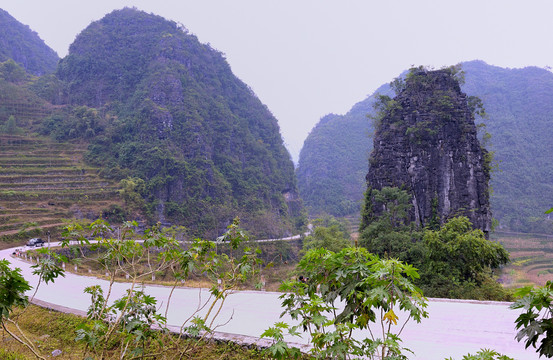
x,y
35,242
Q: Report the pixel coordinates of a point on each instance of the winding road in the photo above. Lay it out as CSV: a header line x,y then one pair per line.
x,y
453,329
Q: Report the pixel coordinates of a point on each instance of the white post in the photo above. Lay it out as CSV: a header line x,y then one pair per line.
x,y
262,282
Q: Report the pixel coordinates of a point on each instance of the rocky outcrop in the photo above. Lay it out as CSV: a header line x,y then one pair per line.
x,y
426,142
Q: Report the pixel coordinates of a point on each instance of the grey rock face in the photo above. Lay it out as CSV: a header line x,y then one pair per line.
x,y
427,143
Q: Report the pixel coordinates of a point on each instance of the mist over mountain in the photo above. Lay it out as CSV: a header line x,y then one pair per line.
x,y
19,43
518,103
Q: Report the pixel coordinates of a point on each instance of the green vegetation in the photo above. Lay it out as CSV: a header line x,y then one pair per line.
x,y
164,115
131,319
373,291
53,330
454,261
12,72
382,106
79,122
134,326
390,235
162,109
534,323
25,47
485,354
458,263
328,233
20,106
519,118
10,127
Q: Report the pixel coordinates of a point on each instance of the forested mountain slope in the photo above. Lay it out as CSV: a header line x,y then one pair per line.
x,y
333,161
520,107
518,102
19,43
167,113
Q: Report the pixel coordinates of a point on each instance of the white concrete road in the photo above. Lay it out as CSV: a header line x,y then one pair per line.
x,y
454,328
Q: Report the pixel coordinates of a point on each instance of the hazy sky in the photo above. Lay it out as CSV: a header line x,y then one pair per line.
x,y
308,58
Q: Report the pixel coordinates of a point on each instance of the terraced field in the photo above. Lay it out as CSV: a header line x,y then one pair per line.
x,y
531,258
353,226
43,183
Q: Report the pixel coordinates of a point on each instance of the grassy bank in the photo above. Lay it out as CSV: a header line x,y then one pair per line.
x,y
50,331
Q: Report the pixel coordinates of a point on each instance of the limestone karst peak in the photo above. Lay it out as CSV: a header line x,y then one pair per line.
x,y
426,143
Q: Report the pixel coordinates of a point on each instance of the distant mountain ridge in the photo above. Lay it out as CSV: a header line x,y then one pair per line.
x,y
334,158
518,102
23,57
520,107
19,43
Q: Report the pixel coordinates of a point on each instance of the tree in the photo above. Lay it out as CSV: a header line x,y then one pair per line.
x,y
395,202
330,238
485,354
131,191
125,326
461,252
458,262
372,290
391,233
12,293
10,127
454,260
328,233
12,72
535,323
